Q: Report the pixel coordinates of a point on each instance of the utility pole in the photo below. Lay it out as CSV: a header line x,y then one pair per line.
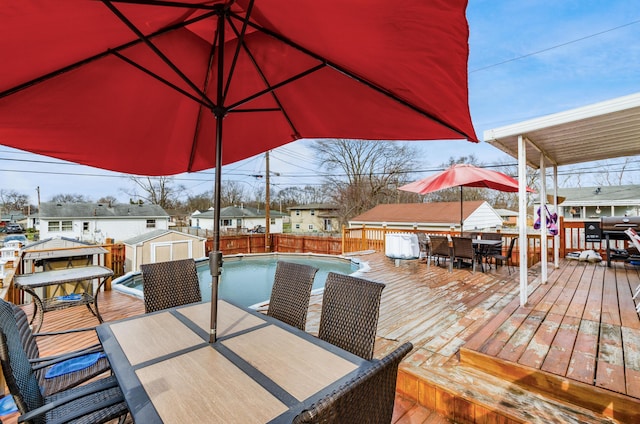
x,y
267,208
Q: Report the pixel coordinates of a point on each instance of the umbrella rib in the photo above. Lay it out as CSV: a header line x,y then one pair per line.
x,y
276,86
159,78
157,51
262,75
98,56
167,4
350,74
236,54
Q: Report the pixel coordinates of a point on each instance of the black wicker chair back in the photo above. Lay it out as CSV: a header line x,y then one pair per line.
x,y
349,316
439,249
170,284
97,402
368,398
463,250
506,257
56,384
290,294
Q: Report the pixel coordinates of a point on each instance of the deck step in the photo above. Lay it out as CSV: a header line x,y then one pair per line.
x,y
466,395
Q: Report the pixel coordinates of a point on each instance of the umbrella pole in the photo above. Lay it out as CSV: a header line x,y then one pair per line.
x,y
461,213
215,256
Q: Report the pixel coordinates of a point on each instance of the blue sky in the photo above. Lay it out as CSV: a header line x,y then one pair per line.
x,y
527,59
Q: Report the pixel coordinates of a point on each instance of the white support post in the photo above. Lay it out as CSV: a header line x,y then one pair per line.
x,y
522,218
556,238
543,221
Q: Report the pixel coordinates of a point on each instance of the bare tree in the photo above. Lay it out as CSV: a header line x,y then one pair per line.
x,y
11,200
363,173
70,198
108,200
232,193
199,202
157,191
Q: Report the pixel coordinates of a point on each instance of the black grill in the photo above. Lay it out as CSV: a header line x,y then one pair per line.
x,y
612,228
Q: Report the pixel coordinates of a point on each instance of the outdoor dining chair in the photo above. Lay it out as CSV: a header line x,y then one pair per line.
x,y
488,252
439,249
349,315
367,398
463,251
52,383
506,257
290,294
170,284
96,402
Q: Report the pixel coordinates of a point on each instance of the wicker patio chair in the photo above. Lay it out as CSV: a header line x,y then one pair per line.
x,y
463,251
290,294
439,249
367,398
349,316
170,284
96,402
506,257
487,252
40,364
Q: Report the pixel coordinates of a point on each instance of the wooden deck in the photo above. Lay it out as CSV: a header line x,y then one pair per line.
x,y
571,356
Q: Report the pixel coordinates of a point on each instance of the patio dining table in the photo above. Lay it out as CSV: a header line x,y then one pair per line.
x,y
481,244
259,370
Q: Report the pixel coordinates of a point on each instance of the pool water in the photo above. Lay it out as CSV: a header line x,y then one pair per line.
x,y
247,280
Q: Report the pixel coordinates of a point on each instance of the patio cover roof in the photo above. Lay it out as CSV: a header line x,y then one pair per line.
x,y
604,130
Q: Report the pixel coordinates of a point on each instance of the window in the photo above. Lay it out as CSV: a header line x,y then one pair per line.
x,y
67,225
310,226
297,212
151,223
53,225
312,212
85,226
227,223
60,225
273,221
297,226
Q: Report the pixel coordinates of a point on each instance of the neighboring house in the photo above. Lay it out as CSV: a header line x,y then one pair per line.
x,y
596,202
161,246
7,217
97,222
509,217
242,219
436,216
314,218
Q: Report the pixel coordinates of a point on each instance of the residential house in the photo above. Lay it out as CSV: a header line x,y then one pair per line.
x,y
97,222
595,202
436,216
314,218
509,217
161,246
239,219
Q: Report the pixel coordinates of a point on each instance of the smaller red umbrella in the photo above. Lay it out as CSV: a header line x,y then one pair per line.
x,y
463,175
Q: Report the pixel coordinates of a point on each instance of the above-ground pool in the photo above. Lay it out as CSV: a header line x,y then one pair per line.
x,y
247,279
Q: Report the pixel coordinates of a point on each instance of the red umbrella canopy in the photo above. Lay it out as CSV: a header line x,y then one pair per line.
x,y
147,87
462,175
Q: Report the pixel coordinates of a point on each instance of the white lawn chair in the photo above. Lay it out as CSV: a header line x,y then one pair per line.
x,y
635,239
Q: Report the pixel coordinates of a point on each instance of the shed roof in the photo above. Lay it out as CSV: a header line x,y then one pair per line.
x,y
604,130
436,212
609,194
64,253
155,234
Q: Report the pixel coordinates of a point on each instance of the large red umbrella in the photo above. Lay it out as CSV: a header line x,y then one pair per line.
x,y
463,175
146,86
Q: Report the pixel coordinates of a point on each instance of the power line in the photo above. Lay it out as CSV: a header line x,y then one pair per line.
x,y
555,46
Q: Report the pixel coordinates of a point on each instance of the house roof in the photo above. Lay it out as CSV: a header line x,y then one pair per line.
x,y
436,212
239,212
155,234
315,206
506,212
624,194
604,130
102,210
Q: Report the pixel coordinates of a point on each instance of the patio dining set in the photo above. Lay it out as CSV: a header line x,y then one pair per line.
x,y
469,249
160,367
